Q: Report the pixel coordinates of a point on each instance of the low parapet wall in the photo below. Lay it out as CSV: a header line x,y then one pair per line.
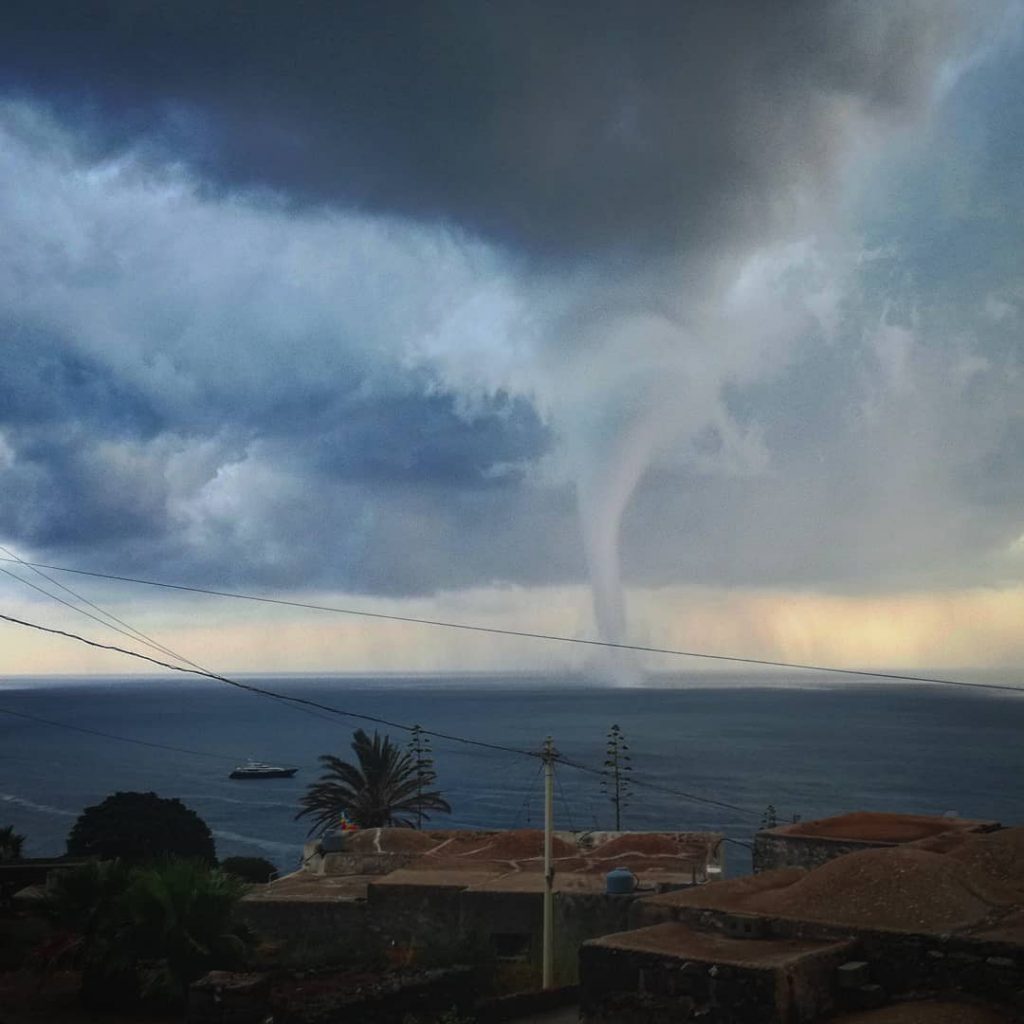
x,y
672,972
785,851
900,962
305,921
809,844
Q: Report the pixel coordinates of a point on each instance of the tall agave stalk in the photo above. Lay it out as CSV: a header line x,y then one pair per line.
x,y
617,768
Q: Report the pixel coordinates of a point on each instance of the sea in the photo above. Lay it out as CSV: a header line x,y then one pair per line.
x,y
708,752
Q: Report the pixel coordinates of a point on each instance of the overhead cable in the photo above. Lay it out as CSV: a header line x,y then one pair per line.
x,y
532,635
376,719
113,736
119,625
124,632
285,698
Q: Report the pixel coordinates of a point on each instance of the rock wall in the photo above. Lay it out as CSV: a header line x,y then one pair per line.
x,y
305,921
328,997
898,963
623,986
775,851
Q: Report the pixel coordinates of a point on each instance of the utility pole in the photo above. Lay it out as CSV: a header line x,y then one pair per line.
x,y
548,972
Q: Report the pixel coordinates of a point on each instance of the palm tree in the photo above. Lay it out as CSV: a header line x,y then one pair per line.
x,y
179,919
146,932
383,788
10,844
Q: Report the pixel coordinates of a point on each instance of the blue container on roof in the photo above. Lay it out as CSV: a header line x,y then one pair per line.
x,y
620,882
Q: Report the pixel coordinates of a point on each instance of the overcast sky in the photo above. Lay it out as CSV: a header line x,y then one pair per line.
x,y
468,309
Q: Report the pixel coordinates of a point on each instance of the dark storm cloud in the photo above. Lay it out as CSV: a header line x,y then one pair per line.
x,y
421,438
61,491
563,128
88,461
45,381
217,387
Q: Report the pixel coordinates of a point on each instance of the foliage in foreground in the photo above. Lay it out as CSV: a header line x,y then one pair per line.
x,y
145,933
249,869
11,844
140,827
385,787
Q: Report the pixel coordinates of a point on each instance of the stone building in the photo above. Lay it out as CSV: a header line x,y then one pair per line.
x,y
938,923
420,889
806,844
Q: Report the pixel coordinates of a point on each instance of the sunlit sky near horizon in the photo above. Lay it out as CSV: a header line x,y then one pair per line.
x,y
483,312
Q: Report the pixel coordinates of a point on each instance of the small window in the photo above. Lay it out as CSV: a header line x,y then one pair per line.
x,y
510,945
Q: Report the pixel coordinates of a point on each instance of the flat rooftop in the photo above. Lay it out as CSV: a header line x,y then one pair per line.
x,y
879,827
300,886
676,853
505,882
496,861
677,940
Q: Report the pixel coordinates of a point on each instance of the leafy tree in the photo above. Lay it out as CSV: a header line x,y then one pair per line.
x,y
770,817
147,932
617,768
381,788
140,827
11,844
249,869
423,765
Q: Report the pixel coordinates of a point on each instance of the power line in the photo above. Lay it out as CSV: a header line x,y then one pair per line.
x,y
527,799
305,702
565,802
285,698
113,736
530,635
133,633
73,607
152,643
691,797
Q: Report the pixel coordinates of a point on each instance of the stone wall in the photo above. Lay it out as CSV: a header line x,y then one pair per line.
x,y
424,915
787,851
414,915
900,963
330,996
629,986
305,921
913,963
582,916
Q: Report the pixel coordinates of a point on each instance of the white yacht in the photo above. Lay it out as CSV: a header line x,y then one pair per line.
x,y
260,770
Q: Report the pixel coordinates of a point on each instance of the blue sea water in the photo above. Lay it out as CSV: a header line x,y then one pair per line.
x,y
811,747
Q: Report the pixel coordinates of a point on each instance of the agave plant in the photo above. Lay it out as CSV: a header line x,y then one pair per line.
x,y
382,788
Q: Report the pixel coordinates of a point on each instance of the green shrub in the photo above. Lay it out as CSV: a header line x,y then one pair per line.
x,y
249,869
11,844
145,933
